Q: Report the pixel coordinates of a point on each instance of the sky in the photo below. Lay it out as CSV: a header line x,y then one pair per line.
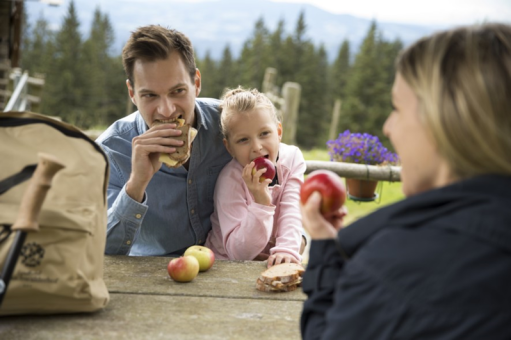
x,y
423,12
427,12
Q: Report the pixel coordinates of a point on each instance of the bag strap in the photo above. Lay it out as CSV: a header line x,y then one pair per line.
x,y
17,178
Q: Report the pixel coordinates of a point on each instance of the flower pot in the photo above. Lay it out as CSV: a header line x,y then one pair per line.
x,y
361,190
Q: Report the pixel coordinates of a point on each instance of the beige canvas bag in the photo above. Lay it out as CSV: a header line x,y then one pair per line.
x,y
60,268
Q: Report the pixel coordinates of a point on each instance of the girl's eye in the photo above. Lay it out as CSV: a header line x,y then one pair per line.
x,y
265,133
242,140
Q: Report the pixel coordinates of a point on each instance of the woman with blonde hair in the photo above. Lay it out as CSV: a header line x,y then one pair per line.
x,y
436,265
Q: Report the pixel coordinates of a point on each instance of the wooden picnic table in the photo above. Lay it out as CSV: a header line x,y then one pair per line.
x,y
145,303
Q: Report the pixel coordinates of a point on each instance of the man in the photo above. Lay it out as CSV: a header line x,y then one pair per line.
x,y
153,209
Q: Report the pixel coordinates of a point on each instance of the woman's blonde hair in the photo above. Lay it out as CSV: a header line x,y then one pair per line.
x,y
242,100
462,78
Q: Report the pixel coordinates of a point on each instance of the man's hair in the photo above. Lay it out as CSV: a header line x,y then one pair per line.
x,y
242,101
154,42
462,78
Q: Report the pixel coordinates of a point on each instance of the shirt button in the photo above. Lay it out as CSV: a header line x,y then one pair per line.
x,y
138,215
128,242
189,181
192,211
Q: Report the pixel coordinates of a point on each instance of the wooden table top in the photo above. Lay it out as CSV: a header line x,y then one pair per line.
x,y
145,303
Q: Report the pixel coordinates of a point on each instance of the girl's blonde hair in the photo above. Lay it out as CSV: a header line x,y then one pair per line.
x,y
462,78
242,100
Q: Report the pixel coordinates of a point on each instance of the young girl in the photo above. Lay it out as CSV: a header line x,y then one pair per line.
x,y
256,220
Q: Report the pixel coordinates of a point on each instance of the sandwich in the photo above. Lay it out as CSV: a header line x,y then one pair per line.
x,y
284,277
182,153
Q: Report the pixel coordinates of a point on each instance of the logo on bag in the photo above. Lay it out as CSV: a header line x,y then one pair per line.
x,y
32,254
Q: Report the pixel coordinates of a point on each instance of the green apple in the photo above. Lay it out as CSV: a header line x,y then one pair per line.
x,y
204,255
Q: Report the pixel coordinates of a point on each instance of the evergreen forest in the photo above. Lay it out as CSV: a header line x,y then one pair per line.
x,y
85,80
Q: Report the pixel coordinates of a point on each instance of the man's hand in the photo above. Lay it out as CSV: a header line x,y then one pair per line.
x,y
146,150
259,190
319,226
278,258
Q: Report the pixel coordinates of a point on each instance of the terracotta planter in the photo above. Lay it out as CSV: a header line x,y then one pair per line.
x,y
361,190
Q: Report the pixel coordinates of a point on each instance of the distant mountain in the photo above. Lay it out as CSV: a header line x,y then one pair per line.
x,y
211,25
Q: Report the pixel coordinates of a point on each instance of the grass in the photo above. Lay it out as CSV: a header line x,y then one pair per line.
x,y
388,192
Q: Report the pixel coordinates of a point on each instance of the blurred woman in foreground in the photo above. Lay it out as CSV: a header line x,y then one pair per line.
x,y
436,265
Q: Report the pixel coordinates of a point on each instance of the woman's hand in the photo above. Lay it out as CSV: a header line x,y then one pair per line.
x,y
318,226
278,258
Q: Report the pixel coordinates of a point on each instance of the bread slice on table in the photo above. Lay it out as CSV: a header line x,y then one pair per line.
x,y
284,277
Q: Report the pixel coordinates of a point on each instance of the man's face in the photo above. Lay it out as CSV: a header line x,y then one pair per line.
x,y
163,90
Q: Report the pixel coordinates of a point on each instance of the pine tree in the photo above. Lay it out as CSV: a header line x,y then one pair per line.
x,y
37,47
368,89
254,57
94,59
313,115
64,81
227,73
208,71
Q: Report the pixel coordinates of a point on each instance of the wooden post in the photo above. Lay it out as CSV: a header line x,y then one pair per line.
x,y
335,120
269,80
291,93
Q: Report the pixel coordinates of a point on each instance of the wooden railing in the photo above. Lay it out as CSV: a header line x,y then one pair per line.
x,y
360,171
26,92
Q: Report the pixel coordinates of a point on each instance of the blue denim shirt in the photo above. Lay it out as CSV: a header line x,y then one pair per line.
x,y
177,204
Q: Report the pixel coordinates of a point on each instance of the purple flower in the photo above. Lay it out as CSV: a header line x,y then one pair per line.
x,y
361,148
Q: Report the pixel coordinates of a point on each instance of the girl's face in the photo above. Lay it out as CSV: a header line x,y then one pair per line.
x,y
253,134
422,167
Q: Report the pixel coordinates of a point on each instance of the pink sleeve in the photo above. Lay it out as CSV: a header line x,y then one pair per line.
x,y
289,223
246,226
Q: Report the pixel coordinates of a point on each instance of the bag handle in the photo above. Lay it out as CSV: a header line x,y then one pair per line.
x,y
17,178
35,193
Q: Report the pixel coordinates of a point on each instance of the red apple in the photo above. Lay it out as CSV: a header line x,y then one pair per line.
x,y
204,255
183,269
329,185
262,162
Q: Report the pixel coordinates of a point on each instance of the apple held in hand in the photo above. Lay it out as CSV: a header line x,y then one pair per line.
x,y
262,162
204,255
329,185
183,269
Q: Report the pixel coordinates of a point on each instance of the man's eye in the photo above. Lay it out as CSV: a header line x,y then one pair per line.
x,y
147,95
179,91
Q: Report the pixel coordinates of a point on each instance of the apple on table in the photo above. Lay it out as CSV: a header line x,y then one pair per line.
x,y
204,255
183,269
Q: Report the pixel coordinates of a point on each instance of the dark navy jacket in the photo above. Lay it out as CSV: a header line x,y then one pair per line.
x,y
434,266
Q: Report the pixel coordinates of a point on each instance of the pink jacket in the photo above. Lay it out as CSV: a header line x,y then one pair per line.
x,y
243,229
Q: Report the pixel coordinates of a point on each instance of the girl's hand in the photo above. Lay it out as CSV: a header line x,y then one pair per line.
x,y
318,226
278,258
259,190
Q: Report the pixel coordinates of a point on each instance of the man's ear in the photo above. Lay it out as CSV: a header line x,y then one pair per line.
x,y
197,82
279,130
131,92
